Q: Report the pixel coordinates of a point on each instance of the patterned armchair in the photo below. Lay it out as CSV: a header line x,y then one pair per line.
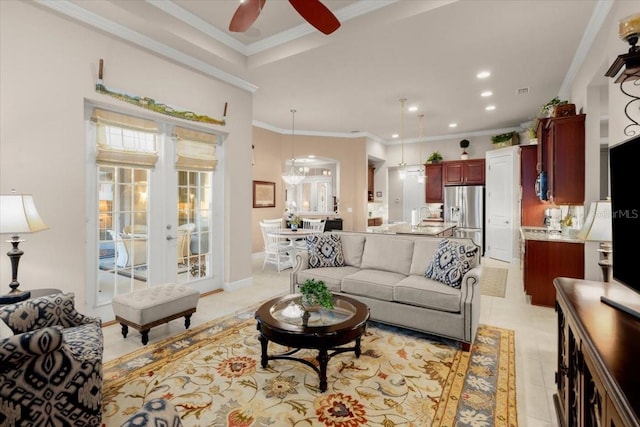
x,y
51,368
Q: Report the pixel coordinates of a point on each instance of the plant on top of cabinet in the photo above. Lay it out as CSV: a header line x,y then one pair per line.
x,y
505,139
464,144
435,157
547,109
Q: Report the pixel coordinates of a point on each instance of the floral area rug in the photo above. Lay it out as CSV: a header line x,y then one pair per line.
x,y
212,374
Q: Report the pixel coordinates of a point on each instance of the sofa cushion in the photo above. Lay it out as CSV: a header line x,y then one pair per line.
x,y
388,254
325,250
331,276
423,292
450,262
372,283
423,252
352,248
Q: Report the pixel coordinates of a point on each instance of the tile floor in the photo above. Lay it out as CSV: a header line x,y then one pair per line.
x,y
535,333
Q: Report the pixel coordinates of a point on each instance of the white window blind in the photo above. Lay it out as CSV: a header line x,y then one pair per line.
x,y
195,150
125,140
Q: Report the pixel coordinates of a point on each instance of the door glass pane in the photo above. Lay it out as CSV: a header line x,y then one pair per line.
x,y
123,240
194,224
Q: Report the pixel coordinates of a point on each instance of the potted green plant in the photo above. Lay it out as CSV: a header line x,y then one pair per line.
x,y
464,144
532,133
505,139
435,157
315,293
547,109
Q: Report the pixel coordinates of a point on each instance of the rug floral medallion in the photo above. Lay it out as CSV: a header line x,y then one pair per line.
x,y
212,374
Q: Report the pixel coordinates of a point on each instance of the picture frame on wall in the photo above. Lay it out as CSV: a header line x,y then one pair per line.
x,y
264,194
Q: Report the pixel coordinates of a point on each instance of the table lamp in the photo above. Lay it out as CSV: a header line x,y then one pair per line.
x,y
597,228
18,215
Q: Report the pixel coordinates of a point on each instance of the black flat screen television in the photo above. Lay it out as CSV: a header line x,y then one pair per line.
x,y
625,219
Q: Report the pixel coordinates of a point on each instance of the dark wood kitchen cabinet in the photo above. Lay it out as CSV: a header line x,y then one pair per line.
x,y
434,191
544,260
598,349
561,156
532,209
370,185
464,172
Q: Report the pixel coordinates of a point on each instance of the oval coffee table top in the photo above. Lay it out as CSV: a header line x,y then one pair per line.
x,y
285,313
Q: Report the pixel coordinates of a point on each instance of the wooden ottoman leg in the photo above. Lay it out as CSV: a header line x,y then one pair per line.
x,y
145,336
187,321
125,330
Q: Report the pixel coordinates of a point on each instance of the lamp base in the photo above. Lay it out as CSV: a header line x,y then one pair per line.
x,y
14,297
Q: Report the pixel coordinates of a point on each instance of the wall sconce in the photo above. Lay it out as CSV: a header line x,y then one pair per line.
x,y
629,63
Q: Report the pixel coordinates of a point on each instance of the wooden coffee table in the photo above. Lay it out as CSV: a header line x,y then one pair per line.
x,y
284,321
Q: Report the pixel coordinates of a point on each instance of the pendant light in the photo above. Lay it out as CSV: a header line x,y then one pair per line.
x,y
293,176
420,163
402,172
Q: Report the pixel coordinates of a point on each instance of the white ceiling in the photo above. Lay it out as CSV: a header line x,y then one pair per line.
x,y
352,80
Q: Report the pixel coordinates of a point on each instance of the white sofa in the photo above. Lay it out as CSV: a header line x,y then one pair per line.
x,y
387,273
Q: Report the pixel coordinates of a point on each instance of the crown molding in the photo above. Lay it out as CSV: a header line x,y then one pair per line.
x,y
67,8
600,12
375,138
170,8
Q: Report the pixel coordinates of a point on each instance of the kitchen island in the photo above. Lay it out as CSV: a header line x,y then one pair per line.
x,y
425,228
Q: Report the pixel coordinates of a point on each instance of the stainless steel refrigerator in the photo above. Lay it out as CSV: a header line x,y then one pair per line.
x,y
464,205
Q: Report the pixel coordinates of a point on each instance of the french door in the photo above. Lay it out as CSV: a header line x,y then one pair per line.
x,y
153,223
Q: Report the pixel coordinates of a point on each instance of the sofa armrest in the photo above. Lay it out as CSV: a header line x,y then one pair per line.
x,y
302,263
472,277
15,350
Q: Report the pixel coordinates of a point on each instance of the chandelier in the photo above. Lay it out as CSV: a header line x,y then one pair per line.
x,y
293,176
402,172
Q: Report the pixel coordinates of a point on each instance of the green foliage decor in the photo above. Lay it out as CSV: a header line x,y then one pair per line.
x,y
503,137
316,292
435,157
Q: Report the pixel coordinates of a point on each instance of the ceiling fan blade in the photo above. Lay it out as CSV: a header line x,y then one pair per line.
x,y
246,15
317,14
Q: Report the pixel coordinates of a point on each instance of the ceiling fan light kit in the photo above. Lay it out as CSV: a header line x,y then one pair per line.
x,y
313,11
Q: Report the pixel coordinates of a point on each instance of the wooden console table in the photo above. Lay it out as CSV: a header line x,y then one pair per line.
x,y
598,379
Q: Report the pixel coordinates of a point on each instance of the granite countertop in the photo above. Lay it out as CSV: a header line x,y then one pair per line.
x,y
541,233
426,228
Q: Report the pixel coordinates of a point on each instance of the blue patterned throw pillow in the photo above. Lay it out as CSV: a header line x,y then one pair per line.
x,y
325,250
450,262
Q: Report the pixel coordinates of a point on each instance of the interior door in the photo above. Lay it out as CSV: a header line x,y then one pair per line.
x,y
502,187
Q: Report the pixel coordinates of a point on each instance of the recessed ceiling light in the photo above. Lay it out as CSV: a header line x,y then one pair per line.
x,y
395,135
413,108
490,107
483,74
311,156
452,125
486,93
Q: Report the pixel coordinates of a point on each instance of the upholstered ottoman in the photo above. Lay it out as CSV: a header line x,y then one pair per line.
x,y
146,308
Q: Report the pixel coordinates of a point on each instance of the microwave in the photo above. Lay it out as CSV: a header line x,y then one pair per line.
x,y
541,186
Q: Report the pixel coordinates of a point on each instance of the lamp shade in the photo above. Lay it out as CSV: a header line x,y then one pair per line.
x,y
597,226
18,215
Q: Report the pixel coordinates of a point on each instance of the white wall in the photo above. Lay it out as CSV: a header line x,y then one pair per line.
x,y
48,68
586,94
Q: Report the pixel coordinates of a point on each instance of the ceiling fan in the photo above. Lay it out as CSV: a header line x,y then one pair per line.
x,y
313,11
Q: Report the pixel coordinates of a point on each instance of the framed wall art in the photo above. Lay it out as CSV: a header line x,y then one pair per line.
x,y
264,194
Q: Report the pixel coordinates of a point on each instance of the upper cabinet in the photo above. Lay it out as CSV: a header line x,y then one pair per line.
x,y
561,155
433,188
370,179
464,172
